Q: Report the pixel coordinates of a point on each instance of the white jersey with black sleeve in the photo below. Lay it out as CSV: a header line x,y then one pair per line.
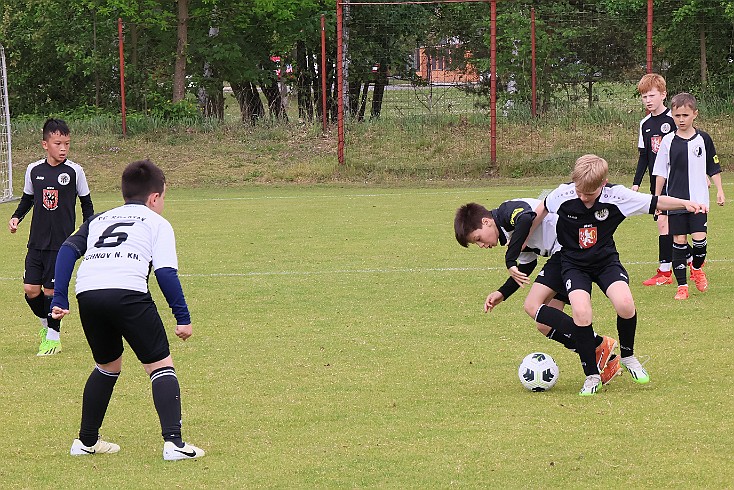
x,y
586,234
121,246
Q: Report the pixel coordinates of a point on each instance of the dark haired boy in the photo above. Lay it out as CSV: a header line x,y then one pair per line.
x,y
51,188
120,247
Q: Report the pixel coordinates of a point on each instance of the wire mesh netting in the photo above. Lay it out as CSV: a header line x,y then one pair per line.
x,y
6,176
418,79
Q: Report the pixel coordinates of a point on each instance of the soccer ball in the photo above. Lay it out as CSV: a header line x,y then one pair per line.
x,y
538,372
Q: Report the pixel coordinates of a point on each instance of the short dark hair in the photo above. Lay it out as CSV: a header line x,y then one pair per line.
x,y
468,219
684,99
140,179
52,126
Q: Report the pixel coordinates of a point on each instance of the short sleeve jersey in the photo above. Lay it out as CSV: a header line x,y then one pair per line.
x,y
541,242
685,163
587,234
121,246
54,190
652,131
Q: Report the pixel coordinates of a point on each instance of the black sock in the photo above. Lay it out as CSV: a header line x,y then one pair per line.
x,y
585,347
37,305
52,323
555,319
665,248
626,328
565,340
97,394
167,400
679,263
699,253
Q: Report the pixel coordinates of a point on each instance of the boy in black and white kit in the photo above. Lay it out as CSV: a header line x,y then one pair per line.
x,y
119,248
684,161
51,189
589,211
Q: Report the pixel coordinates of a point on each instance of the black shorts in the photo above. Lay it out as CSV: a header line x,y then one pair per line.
x,y
40,267
550,276
109,315
687,223
576,277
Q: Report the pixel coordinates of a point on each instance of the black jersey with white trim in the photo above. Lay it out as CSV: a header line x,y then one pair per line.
x,y
652,131
685,163
53,190
514,219
587,234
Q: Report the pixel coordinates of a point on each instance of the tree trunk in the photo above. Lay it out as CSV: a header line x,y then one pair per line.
x,y
379,92
363,103
248,98
211,93
275,101
303,83
704,64
179,74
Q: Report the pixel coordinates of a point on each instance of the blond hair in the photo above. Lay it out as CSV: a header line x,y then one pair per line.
x,y
651,81
590,172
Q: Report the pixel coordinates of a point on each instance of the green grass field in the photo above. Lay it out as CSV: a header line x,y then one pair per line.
x,y
339,342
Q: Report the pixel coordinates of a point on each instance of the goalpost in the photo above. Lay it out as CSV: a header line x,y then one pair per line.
x,y
6,161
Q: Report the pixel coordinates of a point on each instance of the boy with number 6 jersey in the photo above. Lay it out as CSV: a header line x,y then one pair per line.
x,y
119,248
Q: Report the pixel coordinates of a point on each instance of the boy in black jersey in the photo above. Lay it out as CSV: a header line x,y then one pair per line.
x,y
685,159
589,211
51,189
511,224
653,127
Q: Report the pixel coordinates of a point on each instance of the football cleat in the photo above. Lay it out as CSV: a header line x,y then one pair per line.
x,y
592,384
49,347
682,292
100,447
659,279
604,351
636,369
171,452
611,370
699,277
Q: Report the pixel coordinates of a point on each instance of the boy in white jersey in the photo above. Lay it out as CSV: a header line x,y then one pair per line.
x,y
685,159
511,224
589,211
119,248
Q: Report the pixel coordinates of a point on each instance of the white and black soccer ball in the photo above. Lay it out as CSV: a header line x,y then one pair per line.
x,y
538,372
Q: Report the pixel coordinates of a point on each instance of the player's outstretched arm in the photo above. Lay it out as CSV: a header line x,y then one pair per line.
x,y
667,203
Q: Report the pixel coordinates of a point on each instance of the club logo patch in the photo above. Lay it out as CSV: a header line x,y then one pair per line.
x,y
602,214
698,151
64,178
50,199
655,143
665,128
587,237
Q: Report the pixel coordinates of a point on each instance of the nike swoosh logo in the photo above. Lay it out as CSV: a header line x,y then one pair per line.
x,y
190,455
88,452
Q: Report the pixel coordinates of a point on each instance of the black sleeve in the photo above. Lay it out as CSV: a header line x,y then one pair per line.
x,y
87,206
510,286
641,167
523,223
25,205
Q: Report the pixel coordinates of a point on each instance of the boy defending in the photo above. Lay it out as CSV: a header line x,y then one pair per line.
x,y
653,127
120,247
51,188
589,211
511,224
685,159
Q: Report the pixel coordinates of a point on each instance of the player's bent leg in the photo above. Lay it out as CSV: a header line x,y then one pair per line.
x,y
620,295
636,369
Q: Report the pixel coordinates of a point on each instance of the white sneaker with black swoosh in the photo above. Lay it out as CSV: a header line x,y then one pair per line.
x,y
171,452
100,447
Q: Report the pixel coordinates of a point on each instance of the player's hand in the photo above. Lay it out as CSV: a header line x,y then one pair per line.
x,y
720,199
694,207
519,277
635,188
13,225
493,300
183,332
58,313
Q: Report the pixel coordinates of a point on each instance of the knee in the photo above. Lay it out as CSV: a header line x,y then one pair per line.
x,y
31,290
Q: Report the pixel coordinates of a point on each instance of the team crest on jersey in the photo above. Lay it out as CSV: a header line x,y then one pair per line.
x,y
655,143
602,214
665,128
698,151
50,199
64,178
587,237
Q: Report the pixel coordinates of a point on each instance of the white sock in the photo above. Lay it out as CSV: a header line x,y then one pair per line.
x,y
53,334
665,266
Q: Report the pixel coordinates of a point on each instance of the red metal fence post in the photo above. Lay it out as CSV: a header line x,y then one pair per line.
x,y
339,83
